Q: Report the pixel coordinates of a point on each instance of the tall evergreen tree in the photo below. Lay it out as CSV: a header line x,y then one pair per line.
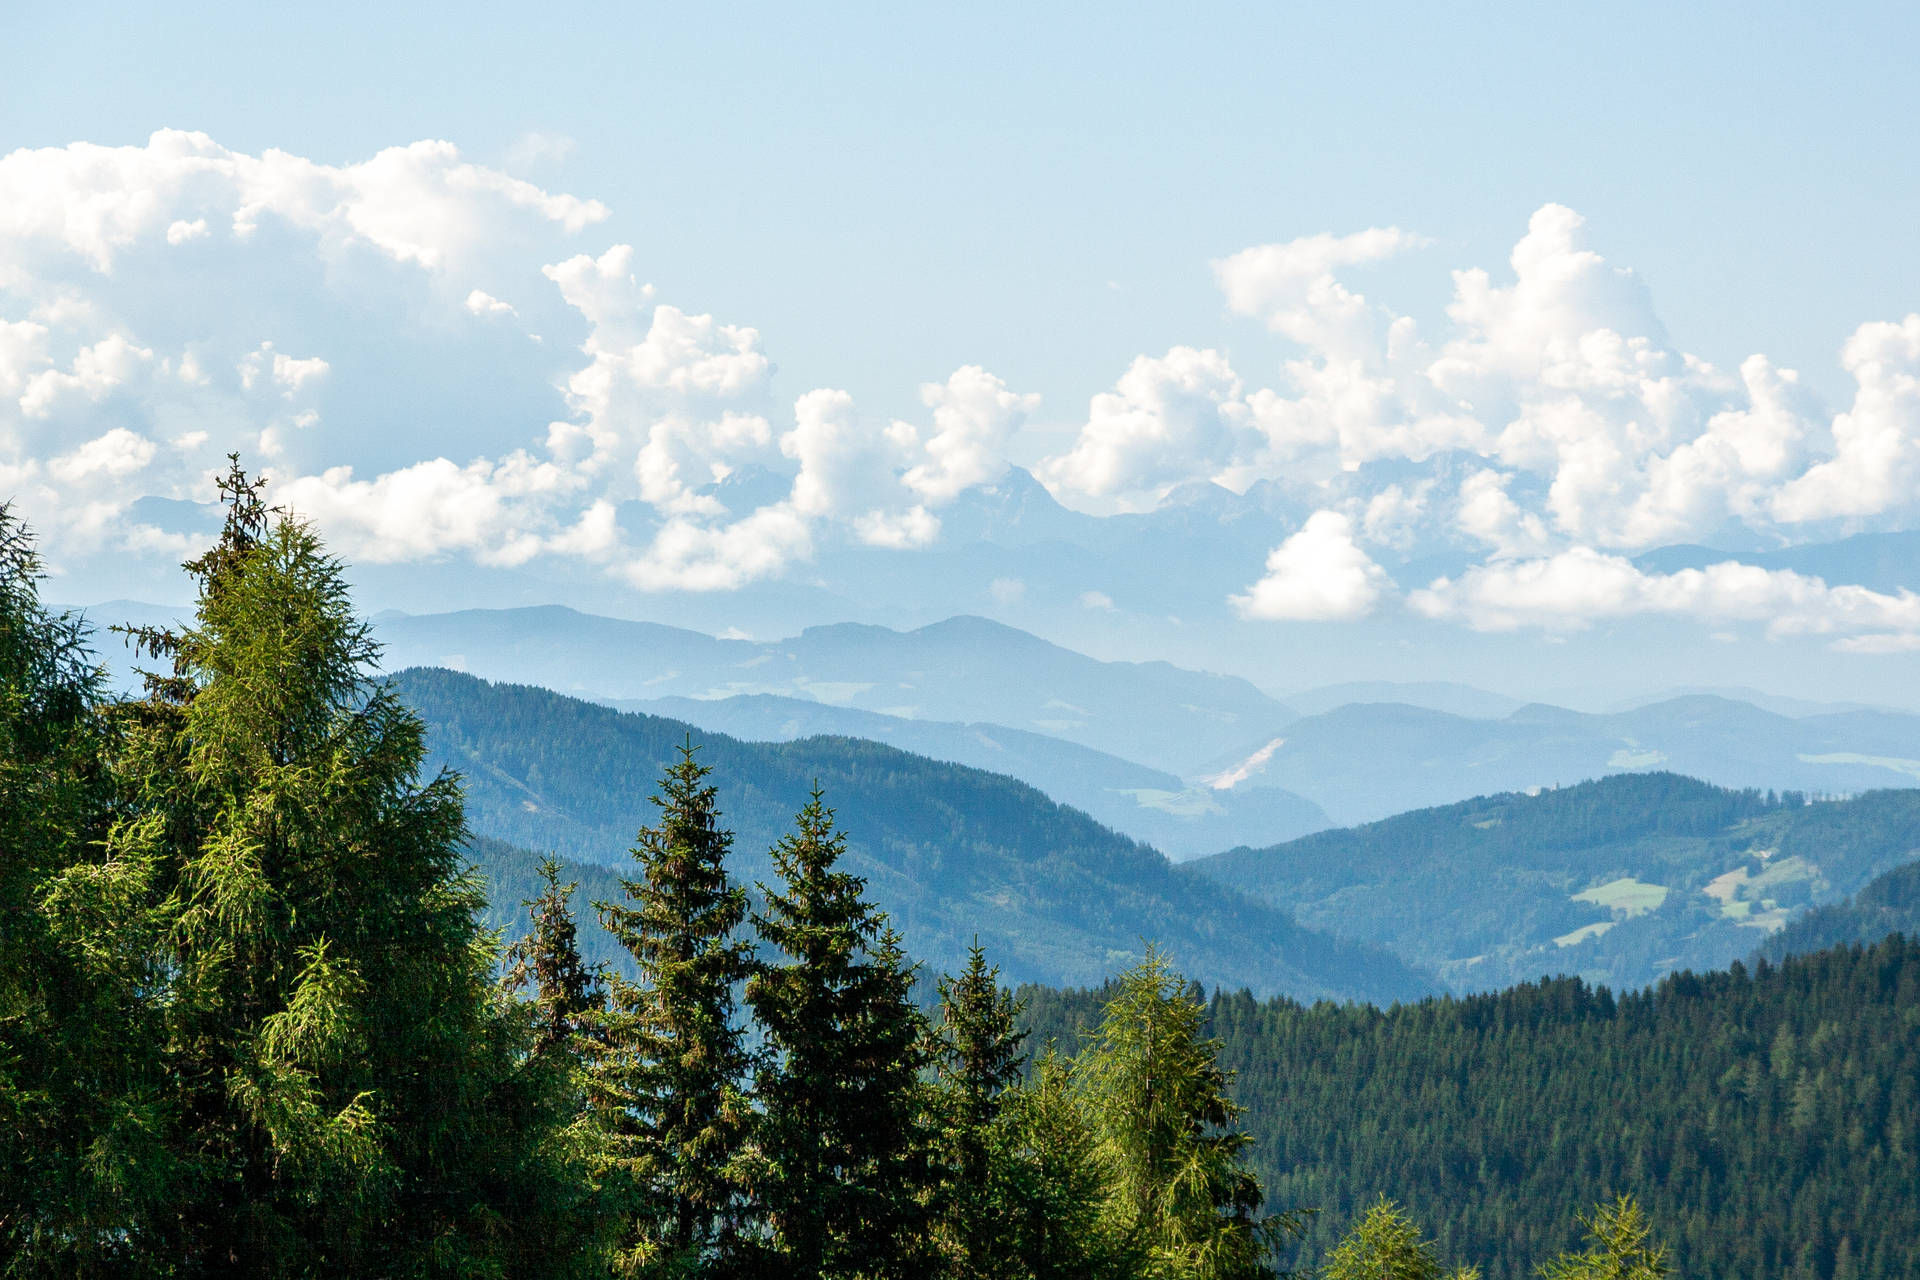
x,y
670,1078
978,1060
80,1099
1167,1132
341,1075
844,1169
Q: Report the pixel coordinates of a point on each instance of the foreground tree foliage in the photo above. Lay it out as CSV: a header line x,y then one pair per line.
x,y
1386,1244
80,1092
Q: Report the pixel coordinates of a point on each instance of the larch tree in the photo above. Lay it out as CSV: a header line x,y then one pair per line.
x,y
341,1075
1168,1135
1386,1244
1620,1246
844,1172
670,1077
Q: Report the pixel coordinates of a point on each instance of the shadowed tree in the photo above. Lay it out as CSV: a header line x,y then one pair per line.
x,y
844,1168
669,1077
80,1096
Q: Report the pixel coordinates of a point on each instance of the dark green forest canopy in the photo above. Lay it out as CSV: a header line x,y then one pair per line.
x,y
949,852
1769,1118
1619,880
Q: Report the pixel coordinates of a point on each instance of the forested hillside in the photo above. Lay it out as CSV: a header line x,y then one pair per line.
x,y
1619,880
1769,1118
951,853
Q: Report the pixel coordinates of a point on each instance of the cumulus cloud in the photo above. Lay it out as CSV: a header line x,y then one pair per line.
x,y
1573,589
975,417
351,325
304,293
1318,575
1170,418
1295,289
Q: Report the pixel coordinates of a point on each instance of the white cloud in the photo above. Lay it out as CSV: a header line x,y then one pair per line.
x,y
1098,600
975,417
482,303
1293,287
163,303
1876,462
1571,590
1171,418
1317,575
1489,515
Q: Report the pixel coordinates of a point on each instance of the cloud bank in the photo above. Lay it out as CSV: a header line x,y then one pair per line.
x,y
436,360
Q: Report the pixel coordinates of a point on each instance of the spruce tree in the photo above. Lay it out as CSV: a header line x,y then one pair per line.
x,y
1057,1185
669,1080
565,991
844,1162
1167,1133
978,1061
342,1081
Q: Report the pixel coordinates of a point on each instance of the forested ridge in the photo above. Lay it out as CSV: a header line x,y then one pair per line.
x,y
1767,1116
953,854
1619,880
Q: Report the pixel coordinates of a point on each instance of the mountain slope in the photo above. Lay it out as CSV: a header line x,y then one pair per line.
x,y
1619,880
1157,808
952,853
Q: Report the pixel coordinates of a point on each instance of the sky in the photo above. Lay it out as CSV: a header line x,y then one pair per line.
x,y
1527,290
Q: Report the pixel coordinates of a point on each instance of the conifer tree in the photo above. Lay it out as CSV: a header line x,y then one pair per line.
x,y
1620,1246
1057,1185
978,1060
669,1081
341,1076
565,990
79,1094
844,1161
1385,1244
1167,1133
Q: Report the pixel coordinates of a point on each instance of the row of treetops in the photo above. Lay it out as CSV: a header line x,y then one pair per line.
x,y
249,1023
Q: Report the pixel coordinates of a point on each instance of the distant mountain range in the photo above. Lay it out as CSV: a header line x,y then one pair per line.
x,y
1363,762
1619,881
953,853
1181,819
1189,762
964,670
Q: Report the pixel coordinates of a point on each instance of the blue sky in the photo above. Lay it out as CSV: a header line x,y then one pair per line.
x,y
688,301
